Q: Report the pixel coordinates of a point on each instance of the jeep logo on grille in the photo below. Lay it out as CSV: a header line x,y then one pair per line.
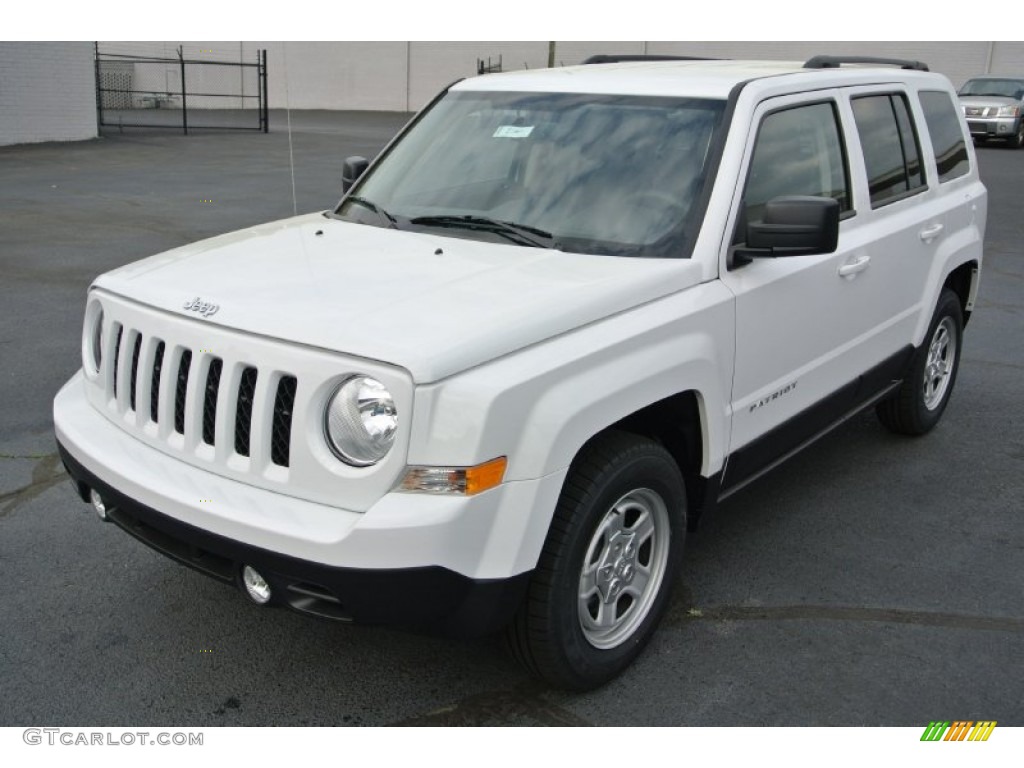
x,y
204,308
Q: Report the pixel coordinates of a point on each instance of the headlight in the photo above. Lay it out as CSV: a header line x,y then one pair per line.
x,y
361,421
1008,111
92,337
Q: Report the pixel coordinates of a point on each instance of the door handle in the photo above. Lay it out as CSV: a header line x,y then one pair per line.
x,y
930,233
851,268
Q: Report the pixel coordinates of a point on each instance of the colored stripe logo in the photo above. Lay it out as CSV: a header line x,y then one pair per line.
x,y
959,730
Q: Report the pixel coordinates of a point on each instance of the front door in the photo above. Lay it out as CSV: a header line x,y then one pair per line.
x,y
800,320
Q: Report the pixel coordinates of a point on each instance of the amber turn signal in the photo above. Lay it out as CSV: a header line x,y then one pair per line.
x,y
465,481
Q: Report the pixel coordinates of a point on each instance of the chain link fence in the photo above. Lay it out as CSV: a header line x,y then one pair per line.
x,y
186,94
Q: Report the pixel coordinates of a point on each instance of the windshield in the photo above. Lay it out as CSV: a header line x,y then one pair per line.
x,y
994,86
596,174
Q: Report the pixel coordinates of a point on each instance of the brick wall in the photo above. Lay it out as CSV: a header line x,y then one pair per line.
x,y
47,92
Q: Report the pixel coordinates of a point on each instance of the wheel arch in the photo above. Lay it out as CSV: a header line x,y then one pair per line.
x,y
963,281
678,423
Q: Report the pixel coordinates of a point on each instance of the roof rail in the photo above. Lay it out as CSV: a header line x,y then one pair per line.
x,y
606,58
831,62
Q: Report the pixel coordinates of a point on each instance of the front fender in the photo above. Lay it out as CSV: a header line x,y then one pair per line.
x,y
539,405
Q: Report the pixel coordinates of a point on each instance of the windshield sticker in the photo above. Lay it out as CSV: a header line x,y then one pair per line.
x,y
513,131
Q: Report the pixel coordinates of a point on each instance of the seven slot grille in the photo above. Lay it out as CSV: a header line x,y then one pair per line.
x,y
192,382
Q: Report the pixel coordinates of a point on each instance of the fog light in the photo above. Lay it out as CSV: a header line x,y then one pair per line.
x,y
255,585
97,504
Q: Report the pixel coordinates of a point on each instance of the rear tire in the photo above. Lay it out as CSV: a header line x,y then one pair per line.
x,y
607,567
918,404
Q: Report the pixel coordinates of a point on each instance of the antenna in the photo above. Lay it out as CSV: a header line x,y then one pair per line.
x,y
288,116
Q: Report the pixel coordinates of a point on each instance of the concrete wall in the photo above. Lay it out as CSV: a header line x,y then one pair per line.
x,y
403,76
47,92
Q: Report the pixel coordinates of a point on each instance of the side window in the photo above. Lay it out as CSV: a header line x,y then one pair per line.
x,y
798,151
947,137
891,150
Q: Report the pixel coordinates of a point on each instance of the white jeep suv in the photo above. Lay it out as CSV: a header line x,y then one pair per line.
x,y
562,315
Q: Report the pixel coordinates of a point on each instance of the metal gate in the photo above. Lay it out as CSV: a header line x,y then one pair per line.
x,y
182,94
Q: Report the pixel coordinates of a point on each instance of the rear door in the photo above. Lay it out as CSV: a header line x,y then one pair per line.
x,y
897,200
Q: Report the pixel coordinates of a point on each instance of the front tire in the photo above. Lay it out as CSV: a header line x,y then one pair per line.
x,y
607,567
1018,138
918,404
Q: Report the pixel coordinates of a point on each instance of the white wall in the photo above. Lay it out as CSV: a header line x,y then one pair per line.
x,y
47,92
402,76
336,75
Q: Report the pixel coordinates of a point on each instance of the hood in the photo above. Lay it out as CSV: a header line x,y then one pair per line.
x,y
989,101
433,305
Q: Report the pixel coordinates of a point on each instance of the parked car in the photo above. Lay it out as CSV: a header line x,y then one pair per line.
x,y
994,109
559,318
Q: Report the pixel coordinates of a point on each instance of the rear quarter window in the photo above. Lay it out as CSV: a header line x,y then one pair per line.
x,y
948,142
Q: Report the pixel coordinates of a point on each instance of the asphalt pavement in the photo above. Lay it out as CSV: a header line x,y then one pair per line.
x,y
872,580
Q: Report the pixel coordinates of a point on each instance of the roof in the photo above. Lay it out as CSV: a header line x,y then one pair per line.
x,y
696,79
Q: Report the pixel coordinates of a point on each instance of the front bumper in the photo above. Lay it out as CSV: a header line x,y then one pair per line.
x,y
993,128
431,598
450,563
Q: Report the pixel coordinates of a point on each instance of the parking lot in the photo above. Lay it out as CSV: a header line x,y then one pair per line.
x,y
872,580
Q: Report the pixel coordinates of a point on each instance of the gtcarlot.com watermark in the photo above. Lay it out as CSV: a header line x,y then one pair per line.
x,y
74,738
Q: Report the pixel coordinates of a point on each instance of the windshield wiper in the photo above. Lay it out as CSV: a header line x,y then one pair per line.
x,y
391,221
522,234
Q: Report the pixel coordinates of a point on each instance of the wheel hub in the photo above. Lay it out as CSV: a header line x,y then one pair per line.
x,y
938,365
617,566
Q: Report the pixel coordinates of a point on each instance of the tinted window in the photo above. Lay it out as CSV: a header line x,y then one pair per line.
x,y
909,141
891,151
947,136
798,152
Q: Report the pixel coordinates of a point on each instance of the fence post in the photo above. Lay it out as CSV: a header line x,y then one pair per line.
x,y
266,102
184,106
99,93
259,89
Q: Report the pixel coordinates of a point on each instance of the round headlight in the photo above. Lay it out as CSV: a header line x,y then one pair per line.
x,y
361,421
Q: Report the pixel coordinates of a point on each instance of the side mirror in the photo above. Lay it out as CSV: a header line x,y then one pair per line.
x,y
794,226
351,171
